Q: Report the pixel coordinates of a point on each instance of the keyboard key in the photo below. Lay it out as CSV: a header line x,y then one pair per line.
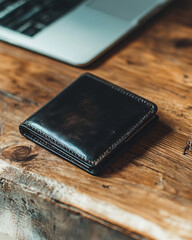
x,y
31,16
11,8
31,31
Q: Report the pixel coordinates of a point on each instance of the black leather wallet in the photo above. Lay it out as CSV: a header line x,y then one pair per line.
x,y
90,122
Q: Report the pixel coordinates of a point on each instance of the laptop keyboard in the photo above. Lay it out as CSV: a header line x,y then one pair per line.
x,y
31,16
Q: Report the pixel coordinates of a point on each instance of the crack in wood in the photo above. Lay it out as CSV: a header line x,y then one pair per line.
x,y
1,129
153,169
17,98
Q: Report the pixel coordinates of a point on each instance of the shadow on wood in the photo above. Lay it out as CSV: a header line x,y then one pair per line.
x,y
139,147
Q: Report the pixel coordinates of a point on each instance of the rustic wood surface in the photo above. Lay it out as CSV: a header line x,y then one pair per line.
x,y
147,192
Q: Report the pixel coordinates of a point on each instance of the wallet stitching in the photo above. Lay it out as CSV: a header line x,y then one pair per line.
x,y
121,139
53,140
121,90
55,149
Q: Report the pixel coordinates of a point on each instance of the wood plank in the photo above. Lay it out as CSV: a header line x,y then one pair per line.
x,y
148,191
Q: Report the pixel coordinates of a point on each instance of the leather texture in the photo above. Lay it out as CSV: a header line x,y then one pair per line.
x,y
89,122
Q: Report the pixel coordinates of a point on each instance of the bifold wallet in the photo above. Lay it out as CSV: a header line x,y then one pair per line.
x,y
90,122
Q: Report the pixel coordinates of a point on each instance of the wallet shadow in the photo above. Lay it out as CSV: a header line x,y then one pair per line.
x,y
138,148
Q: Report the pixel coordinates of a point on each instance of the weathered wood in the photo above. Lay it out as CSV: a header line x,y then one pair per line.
x,y
147,192
43,218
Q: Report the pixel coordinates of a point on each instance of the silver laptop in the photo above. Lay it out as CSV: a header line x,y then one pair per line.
x,y
73,31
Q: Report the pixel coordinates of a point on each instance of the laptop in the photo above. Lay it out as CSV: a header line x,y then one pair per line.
x,y
72,31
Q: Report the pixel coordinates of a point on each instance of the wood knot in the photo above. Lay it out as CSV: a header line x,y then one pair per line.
x,y
20,153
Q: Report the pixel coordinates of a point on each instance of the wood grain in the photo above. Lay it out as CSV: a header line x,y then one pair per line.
x,y
147,192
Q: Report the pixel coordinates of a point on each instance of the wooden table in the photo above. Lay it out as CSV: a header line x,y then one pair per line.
x,y
147,192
